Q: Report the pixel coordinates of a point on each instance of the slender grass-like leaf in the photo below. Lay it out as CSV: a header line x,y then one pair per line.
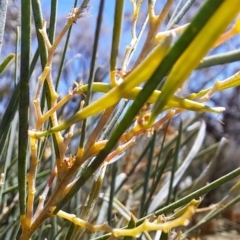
x,y
152,143
14,187
10,149
179,13
172,140
130,173
170,144
34,61
175,12
189,137
24,103
3,156
70,231
207,150
6,61
221,58
94,53
53,19
112,190
38,18
158,174
54,229
175,163
17,56
161,148
117,27
14,233
4,144
113,121
9,114
208,170
7,230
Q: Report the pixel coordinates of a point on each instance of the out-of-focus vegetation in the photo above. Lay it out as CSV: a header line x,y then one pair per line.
x,y
99,143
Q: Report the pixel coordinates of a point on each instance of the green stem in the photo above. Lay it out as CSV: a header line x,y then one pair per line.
x,y
52,25
175,163
24,101
116,38
219,59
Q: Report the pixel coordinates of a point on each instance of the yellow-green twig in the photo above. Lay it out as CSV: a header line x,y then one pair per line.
x,y
147,225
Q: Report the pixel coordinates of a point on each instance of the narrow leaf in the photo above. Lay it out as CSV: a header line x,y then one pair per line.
x,y
24,103
6,61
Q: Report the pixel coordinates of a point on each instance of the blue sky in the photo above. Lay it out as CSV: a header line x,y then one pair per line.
x,y
64,6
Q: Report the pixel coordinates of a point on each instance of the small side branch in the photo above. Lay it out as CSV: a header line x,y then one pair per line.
x,y
147,225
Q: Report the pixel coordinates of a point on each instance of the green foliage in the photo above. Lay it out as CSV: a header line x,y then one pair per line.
x,y
51,190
